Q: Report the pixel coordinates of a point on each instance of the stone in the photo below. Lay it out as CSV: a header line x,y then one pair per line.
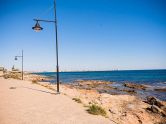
x,y
135,86
155,109
129,91
160,89
111,111
154,101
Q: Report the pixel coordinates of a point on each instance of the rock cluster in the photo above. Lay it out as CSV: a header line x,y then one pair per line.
x,y
135,86
156,106
107,87
92,83
100,86
160,89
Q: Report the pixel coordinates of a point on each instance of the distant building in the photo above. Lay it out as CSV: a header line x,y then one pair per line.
x,y
2,69
14,70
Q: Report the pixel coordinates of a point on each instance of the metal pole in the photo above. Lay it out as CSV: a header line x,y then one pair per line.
x,y
43,20
22,65
56,32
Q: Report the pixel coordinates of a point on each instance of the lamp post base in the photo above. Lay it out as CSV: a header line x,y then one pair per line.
x,y
58,93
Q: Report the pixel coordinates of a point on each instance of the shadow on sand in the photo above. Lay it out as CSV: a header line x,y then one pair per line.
x,y
35,90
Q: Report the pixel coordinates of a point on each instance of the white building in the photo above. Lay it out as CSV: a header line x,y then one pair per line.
x,y
2,71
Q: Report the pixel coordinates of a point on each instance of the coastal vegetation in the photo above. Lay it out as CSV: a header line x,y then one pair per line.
x,y
12,75
34,81
46,85
96,110
78,100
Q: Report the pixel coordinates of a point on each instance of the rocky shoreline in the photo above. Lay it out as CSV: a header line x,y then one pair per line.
x,y
120,108
115,88
122,104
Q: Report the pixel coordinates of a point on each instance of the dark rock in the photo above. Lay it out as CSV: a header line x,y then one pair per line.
x,y
129,91
154,101
157,106
160,89
163,113
111,111
102,91
124,114
135,86
155,109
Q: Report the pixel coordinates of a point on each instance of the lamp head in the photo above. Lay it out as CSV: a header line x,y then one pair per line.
x,y
37,27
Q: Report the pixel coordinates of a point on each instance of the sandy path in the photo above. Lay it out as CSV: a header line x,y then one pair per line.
x,y
33,104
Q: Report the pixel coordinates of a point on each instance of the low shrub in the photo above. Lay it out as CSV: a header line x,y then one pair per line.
x,y
96,110
34,81
14,76
77,100
6,76
49,87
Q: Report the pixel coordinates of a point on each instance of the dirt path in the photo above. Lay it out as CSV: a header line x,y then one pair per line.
x,y
22,102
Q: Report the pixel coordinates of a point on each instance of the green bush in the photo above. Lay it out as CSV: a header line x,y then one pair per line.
x,y
96,110
77,100
6,76
34,81
14,76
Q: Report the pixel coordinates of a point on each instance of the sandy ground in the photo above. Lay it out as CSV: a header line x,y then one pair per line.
x,y
22,102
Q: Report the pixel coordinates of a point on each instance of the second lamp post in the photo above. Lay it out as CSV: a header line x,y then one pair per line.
x,y
37,27
22,56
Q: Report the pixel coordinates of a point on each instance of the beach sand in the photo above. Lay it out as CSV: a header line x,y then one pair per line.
x,y
35,102
22,102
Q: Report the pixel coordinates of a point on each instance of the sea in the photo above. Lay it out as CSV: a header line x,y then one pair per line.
x,y
154,78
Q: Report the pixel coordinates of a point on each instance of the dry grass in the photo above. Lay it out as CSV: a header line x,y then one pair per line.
x,y
6,76
77,100
14,76
49,87
43,85
34,81
96,110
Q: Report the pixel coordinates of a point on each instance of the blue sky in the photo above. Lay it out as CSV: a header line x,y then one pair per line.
x,y
92,34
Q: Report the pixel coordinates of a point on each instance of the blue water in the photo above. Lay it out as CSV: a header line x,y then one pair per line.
x,y
152,77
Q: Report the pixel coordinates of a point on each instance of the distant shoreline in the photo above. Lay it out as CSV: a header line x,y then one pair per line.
x,y
97,70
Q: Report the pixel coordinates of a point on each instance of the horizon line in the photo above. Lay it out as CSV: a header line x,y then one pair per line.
x,y
99,70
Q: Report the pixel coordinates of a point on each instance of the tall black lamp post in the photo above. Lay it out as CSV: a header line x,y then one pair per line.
x,y
37,27
22,56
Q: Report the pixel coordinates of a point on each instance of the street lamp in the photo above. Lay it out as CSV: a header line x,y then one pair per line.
x,y
22,56
38,28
